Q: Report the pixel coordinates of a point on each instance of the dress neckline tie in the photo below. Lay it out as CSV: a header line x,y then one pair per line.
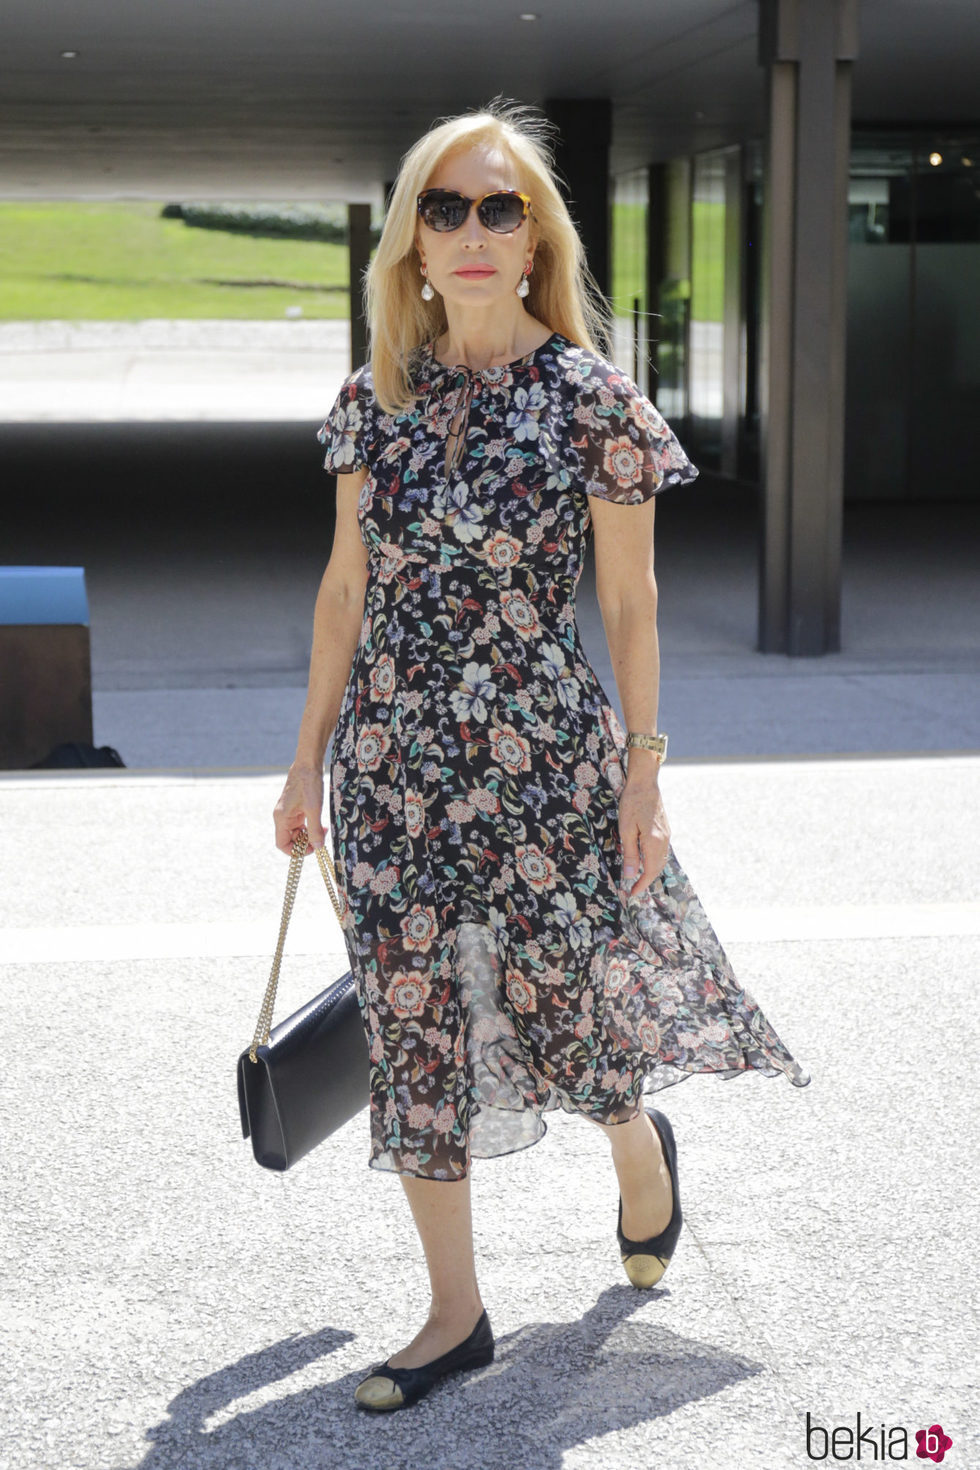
x,y
462,399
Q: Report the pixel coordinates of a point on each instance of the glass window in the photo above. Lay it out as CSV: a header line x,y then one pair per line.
x,y
913,355
631,203
675,294
706,342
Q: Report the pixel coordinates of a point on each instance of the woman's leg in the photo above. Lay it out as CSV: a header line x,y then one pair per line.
x,y
644,1178
444,1222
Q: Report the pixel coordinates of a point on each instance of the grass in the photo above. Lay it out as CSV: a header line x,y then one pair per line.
x,y
629,257
122,262
708,260
707,266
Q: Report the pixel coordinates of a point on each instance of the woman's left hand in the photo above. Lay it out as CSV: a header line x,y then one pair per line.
x,y
644,831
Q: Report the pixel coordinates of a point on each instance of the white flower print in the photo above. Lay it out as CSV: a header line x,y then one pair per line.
x,y
555,668
523,417
469,699
577,928
460,509
347,423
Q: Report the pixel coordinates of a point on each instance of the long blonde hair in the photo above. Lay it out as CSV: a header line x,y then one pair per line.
x,y
563,292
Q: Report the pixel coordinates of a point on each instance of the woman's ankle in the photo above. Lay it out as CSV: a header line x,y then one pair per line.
x,y
460,1311
631,1142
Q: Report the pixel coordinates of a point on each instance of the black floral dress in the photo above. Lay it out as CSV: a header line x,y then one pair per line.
x,y
475,772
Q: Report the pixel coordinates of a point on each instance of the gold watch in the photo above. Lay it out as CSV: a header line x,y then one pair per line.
x,y
649,742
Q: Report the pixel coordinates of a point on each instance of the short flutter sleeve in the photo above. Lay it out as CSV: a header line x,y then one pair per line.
x,y
626,451
349,428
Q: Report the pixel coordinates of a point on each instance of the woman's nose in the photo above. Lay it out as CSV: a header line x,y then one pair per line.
x,y
473,231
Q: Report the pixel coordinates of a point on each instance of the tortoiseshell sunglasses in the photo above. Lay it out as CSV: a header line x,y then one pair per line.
x,y
502,210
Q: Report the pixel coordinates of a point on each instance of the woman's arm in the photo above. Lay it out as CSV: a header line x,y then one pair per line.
x,y
336,629
626,591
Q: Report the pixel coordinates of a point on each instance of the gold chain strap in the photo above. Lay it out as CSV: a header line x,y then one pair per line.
x,y
329,872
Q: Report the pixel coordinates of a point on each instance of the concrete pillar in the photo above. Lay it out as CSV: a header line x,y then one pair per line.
x,y
808,47
359,253
582,159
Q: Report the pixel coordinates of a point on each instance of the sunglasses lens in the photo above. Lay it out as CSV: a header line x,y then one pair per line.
x,y
440,209
502,212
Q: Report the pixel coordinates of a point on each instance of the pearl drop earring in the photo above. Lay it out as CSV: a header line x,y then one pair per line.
x,y
427,291
523,288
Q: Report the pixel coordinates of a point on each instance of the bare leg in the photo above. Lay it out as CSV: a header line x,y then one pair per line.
x,y
644,1178
444,1222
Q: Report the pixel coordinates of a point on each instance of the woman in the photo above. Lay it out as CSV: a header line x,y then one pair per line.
x,y
522,936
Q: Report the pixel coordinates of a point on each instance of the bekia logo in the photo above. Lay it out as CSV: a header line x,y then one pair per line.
x,y
844,1443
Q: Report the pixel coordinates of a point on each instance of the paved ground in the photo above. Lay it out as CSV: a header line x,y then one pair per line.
x,y
168,1304
153,371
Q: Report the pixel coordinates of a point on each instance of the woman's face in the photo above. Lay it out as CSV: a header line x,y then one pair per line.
x,y
474,266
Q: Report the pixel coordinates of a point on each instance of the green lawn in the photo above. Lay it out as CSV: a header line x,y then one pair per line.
x,y
708,260
707,266
629,259
122,262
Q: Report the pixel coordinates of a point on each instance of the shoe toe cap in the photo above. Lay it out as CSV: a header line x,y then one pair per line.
x,y
379,1392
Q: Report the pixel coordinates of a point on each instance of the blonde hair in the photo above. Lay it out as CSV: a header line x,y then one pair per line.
x,y
563,292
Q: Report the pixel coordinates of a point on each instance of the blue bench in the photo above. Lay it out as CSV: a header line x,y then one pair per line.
x,y
45,662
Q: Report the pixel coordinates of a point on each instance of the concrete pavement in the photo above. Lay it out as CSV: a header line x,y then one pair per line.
x,y
159,370
168,1304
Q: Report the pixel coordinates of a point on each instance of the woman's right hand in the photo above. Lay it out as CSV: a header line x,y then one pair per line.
x,y
300,806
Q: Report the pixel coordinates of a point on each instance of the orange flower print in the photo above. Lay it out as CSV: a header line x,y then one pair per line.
x,y
510,750
407,994
383,678
520,992
502,551
535,868
518,611
419,927
649,1034
373,745
617,977
623,460
646,417
414,813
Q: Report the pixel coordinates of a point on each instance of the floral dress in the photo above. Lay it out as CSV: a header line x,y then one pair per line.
x,y
475,772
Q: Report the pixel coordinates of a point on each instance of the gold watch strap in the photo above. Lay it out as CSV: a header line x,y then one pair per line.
x,y
648,742
261,1036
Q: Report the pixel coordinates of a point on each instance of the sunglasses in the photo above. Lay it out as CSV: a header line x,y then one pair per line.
x,y
501,211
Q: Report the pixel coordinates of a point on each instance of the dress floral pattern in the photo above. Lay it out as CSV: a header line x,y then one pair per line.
x,y
475,772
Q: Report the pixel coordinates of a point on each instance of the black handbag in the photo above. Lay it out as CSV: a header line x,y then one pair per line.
x,y
308,1076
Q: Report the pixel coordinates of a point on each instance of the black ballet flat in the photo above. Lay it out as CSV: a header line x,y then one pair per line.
x,y
388,1388
647,1260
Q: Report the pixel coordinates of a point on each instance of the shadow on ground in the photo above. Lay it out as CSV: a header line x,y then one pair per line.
x,y
551,1386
